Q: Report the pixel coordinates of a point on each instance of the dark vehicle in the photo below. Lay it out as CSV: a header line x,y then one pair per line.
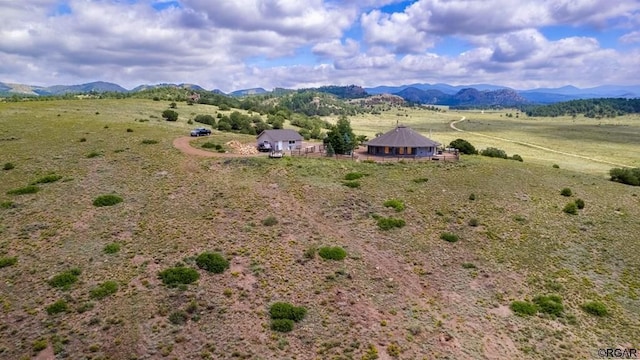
x,y
264,147
200,132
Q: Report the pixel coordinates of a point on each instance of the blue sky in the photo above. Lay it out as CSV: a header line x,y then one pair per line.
x,y
231,45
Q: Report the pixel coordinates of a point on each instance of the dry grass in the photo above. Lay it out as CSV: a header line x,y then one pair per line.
x,y
608,140
404,291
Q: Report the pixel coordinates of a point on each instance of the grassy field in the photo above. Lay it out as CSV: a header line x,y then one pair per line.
x,y
402,293
589,145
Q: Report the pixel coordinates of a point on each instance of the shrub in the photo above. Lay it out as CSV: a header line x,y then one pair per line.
x,y
129,130
579,203
595,308
394,350
170,115
523,308
103,290
310,252
47,179
390,223
65,279
57,307
178,317
83,139
270,221
556,166
549,304
371,354
494,152
571,208
212,262
8,166
472,196
85,307
93,154
629,176
446,236
420,180
463,146
473,222
566,192
205,119
282,310
39,345
29,189
353,176
111,248
209,145
398,205
107,200
468,266
179,275
7,261
149,141
332,253
351,184
282,325
517,158
7,204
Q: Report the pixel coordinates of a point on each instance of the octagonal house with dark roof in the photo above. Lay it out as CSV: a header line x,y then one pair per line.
x,y
402,142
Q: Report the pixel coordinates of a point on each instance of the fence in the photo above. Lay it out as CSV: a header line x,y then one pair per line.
x,y
320,150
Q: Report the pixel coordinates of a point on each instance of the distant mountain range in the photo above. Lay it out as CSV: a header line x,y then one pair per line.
x,y
433,94
536,96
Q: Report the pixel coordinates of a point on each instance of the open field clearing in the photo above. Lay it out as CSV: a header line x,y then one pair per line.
x,y
614,142
83,281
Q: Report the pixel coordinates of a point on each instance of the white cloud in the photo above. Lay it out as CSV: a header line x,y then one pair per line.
x,y
336,49
210,42
307,20
394,31
630,38
472,17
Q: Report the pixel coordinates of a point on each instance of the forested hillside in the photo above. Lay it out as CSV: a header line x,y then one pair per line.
x,y
591,108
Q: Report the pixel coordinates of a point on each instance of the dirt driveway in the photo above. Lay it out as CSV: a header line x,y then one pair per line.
x,y
183,144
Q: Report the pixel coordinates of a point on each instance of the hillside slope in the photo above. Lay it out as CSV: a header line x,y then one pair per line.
x,y
404,292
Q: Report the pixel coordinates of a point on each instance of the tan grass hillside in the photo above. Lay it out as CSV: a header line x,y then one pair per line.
x,y
403,293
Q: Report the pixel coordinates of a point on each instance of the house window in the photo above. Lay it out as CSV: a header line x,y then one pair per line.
x,y
386,149
401,151
409,151
292,142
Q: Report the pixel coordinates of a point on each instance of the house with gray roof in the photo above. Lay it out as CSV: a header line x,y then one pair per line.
x,y
402,141
280,139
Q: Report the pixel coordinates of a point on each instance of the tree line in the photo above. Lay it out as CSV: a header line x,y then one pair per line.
x,y
591,108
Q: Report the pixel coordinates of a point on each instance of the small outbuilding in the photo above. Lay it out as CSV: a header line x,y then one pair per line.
x,y
402,141
280,139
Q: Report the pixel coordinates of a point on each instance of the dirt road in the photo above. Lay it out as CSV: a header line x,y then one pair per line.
x,y
183,144
455,122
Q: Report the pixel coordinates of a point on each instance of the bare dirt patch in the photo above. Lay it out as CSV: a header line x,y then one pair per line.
x,y
183,144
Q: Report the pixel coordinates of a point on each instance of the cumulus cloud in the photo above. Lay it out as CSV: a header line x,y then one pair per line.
x,y
472,17
212,43
337,49
630,38
308,20
394,31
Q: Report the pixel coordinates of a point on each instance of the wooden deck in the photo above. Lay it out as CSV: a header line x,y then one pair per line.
x,y
360,154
